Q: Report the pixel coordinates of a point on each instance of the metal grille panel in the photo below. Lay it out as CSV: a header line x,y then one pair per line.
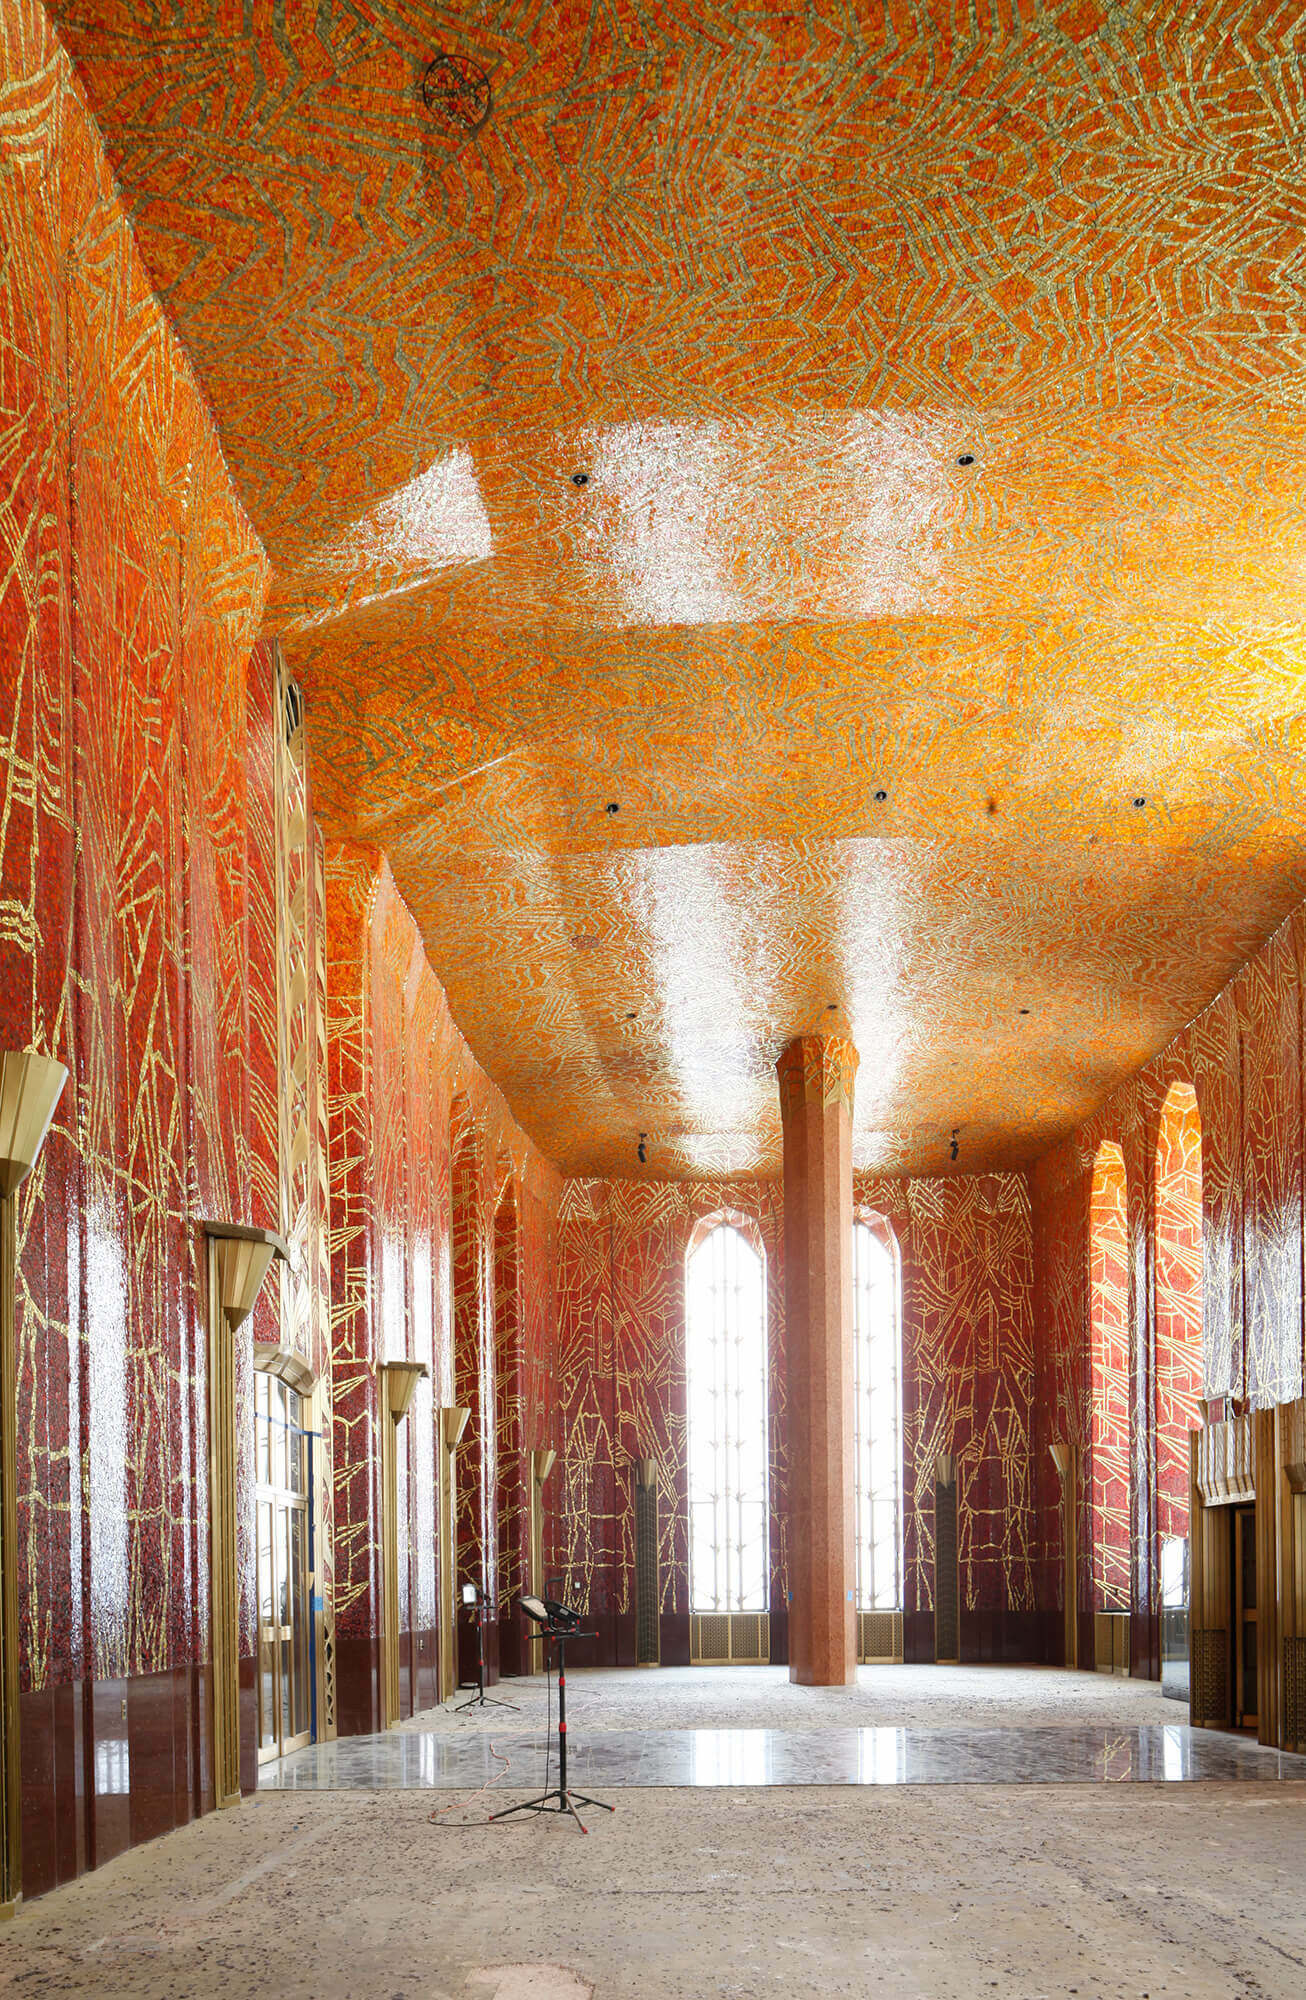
x,y
717,1637
1294,1693
879,1635
647,1645
1210,1696
947,1622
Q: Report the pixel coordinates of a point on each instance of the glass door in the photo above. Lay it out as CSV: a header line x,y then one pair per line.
x,y
282,1469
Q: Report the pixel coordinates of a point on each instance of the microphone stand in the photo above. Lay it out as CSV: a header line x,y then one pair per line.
x,y
561,1799
481,1699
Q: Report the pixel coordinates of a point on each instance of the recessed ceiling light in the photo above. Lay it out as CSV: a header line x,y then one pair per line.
x,y
880,797
611,807
832,1006
631,1015
967,458
1140,802
1024,1010
580,479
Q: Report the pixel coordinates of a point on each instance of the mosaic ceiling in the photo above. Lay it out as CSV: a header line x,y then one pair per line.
x,y
861,446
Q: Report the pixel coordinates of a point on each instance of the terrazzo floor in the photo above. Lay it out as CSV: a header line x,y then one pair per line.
x,y
1048,1891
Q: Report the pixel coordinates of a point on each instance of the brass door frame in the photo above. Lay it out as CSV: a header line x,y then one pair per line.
x,y
1243,1614
284,1501
396,1383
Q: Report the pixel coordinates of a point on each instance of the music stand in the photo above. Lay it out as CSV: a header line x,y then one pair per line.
x,y
472,1594
559,1623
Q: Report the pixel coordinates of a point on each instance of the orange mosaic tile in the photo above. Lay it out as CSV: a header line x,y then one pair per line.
x,y
932,385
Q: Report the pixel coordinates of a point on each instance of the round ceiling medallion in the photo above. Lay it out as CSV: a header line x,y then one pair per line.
x,y
457,91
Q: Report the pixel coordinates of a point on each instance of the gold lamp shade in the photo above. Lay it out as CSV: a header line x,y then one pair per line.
x,y
30,1087
401,1379
242,1254
945,1468
1060,1455
542,1463
646,1471
453,1422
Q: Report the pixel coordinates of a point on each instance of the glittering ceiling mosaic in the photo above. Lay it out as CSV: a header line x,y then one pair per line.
x,y
860,446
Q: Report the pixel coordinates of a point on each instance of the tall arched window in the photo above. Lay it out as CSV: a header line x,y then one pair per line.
x,y
1112,1477
877,1416
1178,1302
725,1366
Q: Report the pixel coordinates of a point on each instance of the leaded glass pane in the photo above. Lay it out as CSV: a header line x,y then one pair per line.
x,y
725,1365
877,1421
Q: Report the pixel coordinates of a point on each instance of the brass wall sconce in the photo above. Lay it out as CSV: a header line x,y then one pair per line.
x,y
542,1464
30,1088
241,1256
401,1379
646,1471
453,1422
945,1468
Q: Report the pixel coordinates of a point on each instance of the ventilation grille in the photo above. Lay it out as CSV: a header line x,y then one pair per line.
x,y
1294,1693
716,1637
1210,1696
879,1636
947,1632
1111,1642
647,1648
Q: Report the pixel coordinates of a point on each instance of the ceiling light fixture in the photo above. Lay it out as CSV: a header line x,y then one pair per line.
x,y
457,92
880,797
1139,803
611,807
580,479
967,458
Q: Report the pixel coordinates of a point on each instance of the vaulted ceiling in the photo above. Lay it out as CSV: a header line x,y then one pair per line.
x,y
796,521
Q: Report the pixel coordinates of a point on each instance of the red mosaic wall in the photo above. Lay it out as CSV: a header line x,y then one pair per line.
x,y
967,1279
1110,1461
1243,1059
134,809
407,1283
1178,1302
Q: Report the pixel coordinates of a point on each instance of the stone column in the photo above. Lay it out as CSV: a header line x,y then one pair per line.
x,y
816,1075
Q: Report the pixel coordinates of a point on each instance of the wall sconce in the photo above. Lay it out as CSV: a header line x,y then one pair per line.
x,y
400,1380
945,1468
30,1088
646,1471
453,1422
241,1256
1060,1455
542,1463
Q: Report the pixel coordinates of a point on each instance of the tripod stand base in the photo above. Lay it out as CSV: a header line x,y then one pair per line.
x,y
557,1801
479,1700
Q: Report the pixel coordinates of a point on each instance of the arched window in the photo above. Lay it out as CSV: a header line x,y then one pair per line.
x,y
725,1367
877,1416
1178,1302
1112,1478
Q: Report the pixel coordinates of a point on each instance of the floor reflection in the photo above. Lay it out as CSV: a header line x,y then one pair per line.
x,y
1153,1754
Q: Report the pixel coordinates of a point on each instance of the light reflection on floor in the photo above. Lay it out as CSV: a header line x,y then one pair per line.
x,y
1150,1754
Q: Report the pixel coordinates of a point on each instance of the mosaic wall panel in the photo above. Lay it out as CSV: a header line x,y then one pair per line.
x,y
1111,1434
412,1271
967,1277
130,589
1178,1302
1243,1058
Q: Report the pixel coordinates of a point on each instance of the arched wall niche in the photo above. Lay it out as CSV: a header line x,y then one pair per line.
x,y
1178,1310
511,1469
473,1370
1110,1472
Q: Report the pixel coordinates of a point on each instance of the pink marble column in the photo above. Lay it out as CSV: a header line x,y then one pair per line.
x,y
816,1075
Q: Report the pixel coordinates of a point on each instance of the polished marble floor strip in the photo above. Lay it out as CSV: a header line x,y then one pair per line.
x,y
1154,1753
